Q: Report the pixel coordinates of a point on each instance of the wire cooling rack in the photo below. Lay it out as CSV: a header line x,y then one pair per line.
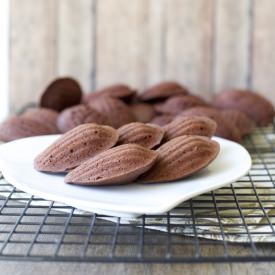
x,y
235,223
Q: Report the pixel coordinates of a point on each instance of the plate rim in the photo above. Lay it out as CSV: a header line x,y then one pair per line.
x,y
136,210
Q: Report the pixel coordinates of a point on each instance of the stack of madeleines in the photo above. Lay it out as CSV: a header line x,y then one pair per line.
x,y
116,135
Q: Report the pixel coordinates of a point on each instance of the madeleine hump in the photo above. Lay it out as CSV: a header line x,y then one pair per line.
x,y
75,147
119,165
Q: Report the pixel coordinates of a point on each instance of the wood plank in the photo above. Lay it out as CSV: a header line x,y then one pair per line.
x,y
263,70
189,43
232,44
4,57
76,27
128,47
33,49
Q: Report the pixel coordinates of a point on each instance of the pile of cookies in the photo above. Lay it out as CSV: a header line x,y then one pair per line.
x,y
116,135
94,154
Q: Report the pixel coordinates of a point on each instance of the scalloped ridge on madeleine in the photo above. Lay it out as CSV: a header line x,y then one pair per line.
x,y
193,125
118,165
145,135
181,157
75,147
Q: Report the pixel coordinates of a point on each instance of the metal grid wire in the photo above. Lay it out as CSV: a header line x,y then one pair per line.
x,y
31,229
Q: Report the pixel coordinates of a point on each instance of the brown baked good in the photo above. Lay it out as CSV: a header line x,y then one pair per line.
x,y
255,106
142,134
119,165
176,104
225,128
143,112
61,94
240,120
162,120
21,127
120,91
162,91
44,116
181,157
77,115
117,112
193,125
75,147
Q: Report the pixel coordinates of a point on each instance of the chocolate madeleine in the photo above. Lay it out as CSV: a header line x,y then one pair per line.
x,y
176,104
44,116
240,120
117,112
143,112
21,127
77,115
75,147
193,125
119,165
61,94
181,157
225,128
162,120
162,91
120,91
139,133
255,106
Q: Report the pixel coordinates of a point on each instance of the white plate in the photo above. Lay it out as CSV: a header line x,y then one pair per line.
x,y
16,164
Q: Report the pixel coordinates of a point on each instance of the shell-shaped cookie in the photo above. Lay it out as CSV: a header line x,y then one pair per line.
x,y
176,104
162,120
225,128
120,91
255,106
162,91
21,127
44,116
117,112
145,135
119,165
77,115
181,157
193,125
75,147
61,94
143,112
240,120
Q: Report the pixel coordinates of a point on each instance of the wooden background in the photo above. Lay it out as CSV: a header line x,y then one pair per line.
x,y
207,45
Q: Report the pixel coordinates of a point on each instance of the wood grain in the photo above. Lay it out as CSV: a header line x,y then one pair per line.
x,y
126,47
263,69
189,44
33,49
206,45
231,44
76,21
